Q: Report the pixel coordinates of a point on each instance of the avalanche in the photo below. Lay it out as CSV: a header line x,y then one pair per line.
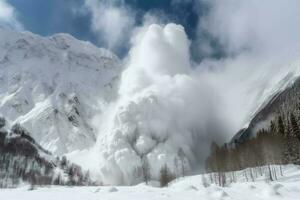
x,y
76,99
166,103
161,108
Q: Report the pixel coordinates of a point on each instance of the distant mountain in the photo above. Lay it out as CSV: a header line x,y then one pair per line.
x,y
54,87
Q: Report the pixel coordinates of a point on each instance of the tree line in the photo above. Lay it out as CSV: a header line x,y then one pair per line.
x,y
275,145
21,160
167,172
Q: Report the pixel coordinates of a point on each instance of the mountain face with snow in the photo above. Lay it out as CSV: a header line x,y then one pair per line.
x,y
282,102
71,96
55,86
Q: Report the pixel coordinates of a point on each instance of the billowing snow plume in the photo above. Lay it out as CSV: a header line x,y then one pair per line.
x,y
161,109
166,104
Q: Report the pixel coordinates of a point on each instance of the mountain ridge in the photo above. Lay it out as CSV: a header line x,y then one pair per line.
x,y
270,109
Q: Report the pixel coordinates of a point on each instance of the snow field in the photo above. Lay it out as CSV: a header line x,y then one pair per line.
x,y
189,188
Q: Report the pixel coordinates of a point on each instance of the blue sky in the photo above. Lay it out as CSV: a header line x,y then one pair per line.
x,y
48,17
52,16
216,28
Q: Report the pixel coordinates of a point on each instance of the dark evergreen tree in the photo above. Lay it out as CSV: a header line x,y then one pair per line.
x,y
165,176
2,122
182,158
146,170
294,127
281,128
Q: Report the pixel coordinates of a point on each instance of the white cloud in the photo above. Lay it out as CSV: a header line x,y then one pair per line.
x,y
8,17
265,27
112,21
156,52
162,107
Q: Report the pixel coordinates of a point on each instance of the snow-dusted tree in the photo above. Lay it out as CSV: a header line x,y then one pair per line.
x,y
57,180
2,122
281,127
176,166
166,176
292,142
182,159
146,170
63,162
87,178
294,127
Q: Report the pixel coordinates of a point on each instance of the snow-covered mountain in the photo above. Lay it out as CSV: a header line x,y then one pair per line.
x,y
54,86
65,92
284,101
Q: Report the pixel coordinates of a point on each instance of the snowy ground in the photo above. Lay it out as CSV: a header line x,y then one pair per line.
x,y
287,187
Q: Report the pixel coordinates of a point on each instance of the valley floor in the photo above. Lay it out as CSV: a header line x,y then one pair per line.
x,y
189,188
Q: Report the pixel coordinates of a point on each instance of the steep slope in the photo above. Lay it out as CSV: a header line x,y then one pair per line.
x,y
282,102
55,86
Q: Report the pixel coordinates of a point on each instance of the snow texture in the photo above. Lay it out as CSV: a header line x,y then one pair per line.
x,y
286,188
55,86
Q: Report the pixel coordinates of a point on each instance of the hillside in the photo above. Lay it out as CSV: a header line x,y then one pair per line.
x,y
24,161
282,102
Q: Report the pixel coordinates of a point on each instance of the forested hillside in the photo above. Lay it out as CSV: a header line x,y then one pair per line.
x,y
23,160
272,138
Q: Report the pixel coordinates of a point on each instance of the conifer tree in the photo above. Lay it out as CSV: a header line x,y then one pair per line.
x,y
165,176
146,170
181,155
294,127
281,128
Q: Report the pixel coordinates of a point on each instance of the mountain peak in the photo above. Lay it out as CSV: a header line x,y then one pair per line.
x,y
48,84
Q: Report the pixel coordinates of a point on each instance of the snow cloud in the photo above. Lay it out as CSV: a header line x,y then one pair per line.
x,y
162,107
263,27
8,18
113,21
260,41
